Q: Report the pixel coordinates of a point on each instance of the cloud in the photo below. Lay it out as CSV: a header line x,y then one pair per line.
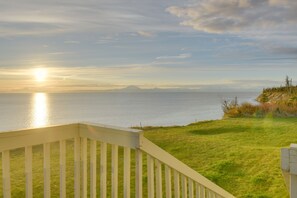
x,y
71,42
55,17
233,16
145,34
107,39
180,56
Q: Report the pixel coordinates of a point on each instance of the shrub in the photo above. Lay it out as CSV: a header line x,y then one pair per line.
x,y
247,109
260,110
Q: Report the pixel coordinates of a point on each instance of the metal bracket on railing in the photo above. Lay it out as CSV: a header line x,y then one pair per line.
x,y
289,168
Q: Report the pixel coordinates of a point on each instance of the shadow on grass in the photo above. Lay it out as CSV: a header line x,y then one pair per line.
x,y
218,130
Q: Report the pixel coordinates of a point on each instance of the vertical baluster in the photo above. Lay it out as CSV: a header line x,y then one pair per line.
x,y
176,185
184,186
202,191
77,167
93,162
84,161
6,174
168,181
209,193
103,169
28,171
150,176
46,170
127,166
138,179
197,186
114,171
63,168
191,189
158,179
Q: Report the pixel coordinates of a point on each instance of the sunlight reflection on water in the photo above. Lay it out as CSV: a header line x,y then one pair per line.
x,y
39,110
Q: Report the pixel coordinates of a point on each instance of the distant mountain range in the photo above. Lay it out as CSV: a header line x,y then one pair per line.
x,y
133,88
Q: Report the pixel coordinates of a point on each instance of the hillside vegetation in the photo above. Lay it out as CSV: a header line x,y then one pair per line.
x,y
280,95
273,102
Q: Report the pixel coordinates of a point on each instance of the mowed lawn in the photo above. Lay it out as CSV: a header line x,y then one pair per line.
x,y
242,155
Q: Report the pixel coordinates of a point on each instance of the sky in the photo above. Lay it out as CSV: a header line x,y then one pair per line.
x,y
110,44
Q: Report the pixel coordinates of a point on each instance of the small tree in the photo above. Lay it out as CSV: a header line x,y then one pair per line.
x,y
287,82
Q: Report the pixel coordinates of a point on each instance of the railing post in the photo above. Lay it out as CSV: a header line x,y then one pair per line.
x,y
138,174
47,170
84,166
176,184
28,171
6,174
114,170
93,167
103,169
77,167
127,174
168,181
150,177
289,168
158,179
62,168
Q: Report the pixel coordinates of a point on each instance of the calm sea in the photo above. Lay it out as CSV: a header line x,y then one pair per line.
x,y
18,111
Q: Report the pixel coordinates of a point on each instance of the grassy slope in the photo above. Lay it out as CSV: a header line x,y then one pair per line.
x,y
241,155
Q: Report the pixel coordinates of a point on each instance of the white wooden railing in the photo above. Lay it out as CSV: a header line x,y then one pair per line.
x,y
152,172
289,168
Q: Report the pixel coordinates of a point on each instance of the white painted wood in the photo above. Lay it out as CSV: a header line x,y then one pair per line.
x,y
93,166
117,136
210,193
168,181
176,184
127,167
114,171
191,188
293,186
63,168
6,174
30,137
84,162
138,177
184,186
103,169
197,190
46,170
28,171
156,152
150,177
77,167
158,179
202,191
112,135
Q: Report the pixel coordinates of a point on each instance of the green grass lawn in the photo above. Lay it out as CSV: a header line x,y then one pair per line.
x,y
240,154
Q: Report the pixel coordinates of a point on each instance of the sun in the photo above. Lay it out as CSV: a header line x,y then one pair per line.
x,y
40,74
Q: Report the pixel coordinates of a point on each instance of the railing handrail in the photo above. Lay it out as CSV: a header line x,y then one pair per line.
x,y
29,137
129,138
289,168
110,134
158,153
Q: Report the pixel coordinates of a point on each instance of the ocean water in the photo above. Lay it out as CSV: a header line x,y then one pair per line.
x,y
19,111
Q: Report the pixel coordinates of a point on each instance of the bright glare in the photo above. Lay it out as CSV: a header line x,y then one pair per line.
x,y
40,110
40,74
